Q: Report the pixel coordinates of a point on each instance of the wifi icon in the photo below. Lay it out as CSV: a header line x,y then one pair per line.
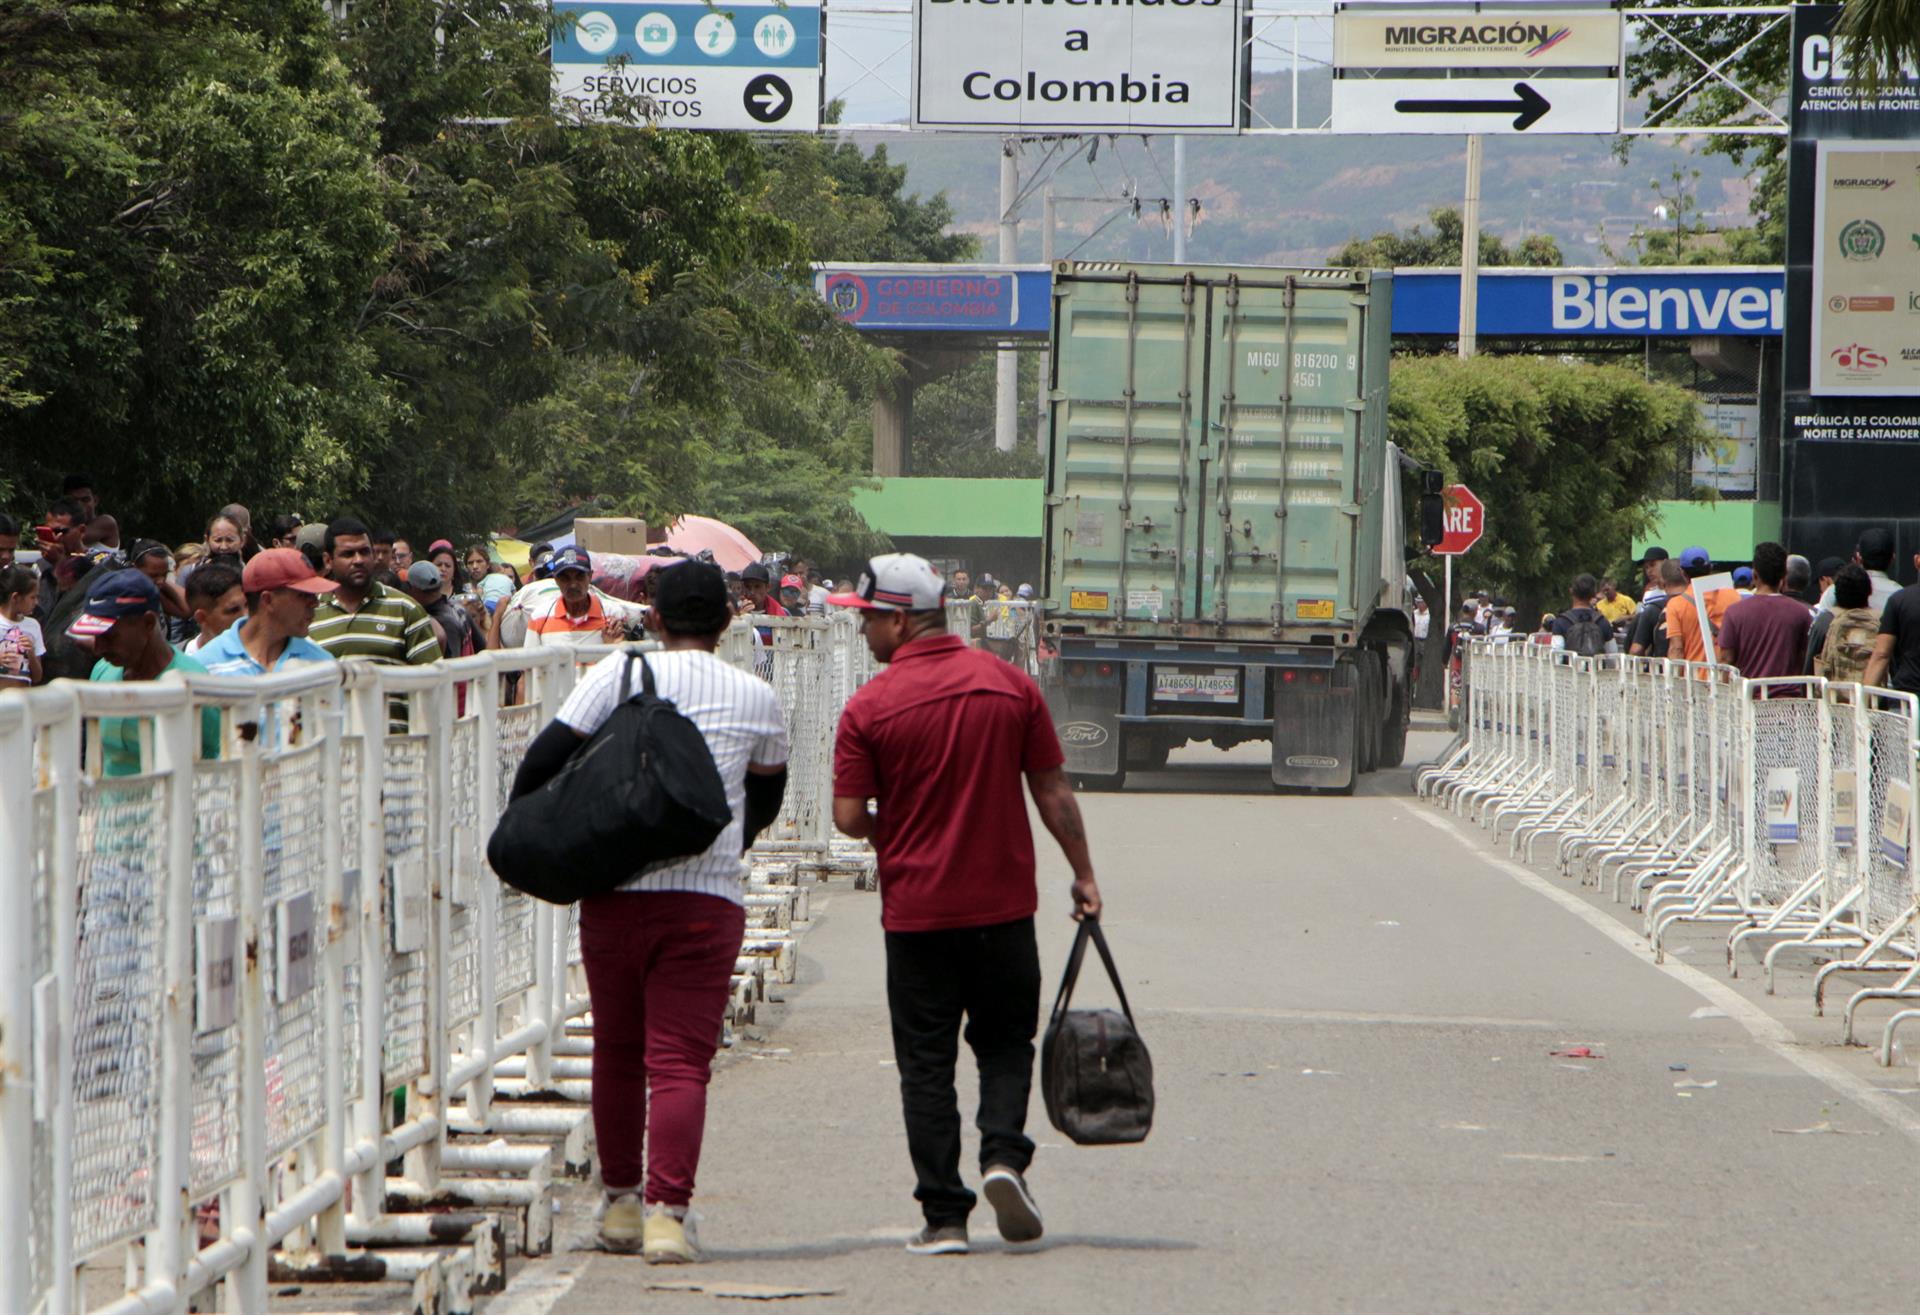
x,y
595,33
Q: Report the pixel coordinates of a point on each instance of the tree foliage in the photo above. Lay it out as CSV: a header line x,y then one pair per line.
x,y
248,252
1886,35
1568,457
1417,246
1753,60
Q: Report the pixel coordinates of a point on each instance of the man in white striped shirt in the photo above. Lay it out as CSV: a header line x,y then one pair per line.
x,y
659,950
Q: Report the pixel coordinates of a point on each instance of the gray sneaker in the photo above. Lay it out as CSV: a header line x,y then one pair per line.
x,y
1013,1205
946,1240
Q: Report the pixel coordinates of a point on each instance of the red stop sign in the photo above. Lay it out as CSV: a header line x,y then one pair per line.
x,y
1465,520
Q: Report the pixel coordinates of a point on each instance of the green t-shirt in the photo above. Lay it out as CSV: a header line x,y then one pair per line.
x,y
120,736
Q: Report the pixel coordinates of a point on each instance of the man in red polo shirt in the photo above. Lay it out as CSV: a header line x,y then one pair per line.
x,y
940,742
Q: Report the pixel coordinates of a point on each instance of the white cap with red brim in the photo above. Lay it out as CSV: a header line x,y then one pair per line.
x,y
897,582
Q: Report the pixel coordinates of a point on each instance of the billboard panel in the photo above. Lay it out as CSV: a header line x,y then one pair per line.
x,y
1865,339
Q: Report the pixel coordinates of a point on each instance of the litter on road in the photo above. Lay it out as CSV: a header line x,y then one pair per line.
x,y
742,1291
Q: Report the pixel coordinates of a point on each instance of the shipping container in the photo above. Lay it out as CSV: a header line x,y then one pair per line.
x,y
1222,532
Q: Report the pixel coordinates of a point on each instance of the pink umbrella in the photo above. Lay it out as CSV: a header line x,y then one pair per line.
x,y
694,534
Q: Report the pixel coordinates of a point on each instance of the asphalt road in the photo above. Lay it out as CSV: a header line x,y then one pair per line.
x,y
1352,1008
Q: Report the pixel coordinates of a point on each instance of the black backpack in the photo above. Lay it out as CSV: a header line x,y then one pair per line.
x,y
641,791
1587,631
1095,1074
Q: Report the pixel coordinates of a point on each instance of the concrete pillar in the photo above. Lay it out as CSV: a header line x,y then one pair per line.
x,y
892,421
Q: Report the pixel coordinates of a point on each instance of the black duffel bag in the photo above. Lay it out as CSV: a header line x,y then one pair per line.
x,y
1095,1073
640,792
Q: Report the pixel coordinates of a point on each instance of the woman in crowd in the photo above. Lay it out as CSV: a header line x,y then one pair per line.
x,y
479,565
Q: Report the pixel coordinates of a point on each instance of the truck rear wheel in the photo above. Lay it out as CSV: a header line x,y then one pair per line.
x,y
1366,716
1393,742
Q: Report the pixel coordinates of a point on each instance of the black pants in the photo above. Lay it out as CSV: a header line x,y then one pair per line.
x,y
992,975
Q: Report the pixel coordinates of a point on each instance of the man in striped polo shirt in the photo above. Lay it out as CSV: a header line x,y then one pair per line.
x,y
364,618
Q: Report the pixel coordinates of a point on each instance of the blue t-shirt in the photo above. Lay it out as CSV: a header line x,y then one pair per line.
x,y
226,655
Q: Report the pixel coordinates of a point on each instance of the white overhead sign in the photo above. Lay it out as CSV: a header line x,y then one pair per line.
x,y
1502,37
1476,105
1079,66
748,67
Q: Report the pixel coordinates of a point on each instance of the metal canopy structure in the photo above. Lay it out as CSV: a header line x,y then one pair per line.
x,y
869,59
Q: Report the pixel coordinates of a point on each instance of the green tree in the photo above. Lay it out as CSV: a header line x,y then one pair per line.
x,y
188,206
1568,457
1752,57
851,205
1888,32
953,419
1417,246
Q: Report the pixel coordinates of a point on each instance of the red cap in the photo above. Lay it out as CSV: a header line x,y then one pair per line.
x,y
792,582
283,568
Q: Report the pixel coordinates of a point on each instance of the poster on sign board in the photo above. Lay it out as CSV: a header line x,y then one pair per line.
x,y
1846,810
1783,805
1894,823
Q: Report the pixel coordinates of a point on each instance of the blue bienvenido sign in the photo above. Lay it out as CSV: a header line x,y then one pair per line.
x,y
1596,303
1682,302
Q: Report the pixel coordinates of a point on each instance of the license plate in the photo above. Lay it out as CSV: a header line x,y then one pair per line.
x,y
1313,609
1196,684
1088,600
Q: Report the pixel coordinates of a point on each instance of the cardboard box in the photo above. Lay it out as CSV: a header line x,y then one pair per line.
x,y
611,534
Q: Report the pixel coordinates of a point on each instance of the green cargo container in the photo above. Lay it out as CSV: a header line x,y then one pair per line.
x,y
1220,488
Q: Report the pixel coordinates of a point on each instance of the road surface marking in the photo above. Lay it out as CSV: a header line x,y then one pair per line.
x,y
1770,1032
538,1288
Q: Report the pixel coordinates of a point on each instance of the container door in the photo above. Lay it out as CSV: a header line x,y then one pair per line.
x,y
1129,370
1279,512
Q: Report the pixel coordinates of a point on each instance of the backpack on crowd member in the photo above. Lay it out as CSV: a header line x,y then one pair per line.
x,y
1587,631
1850,638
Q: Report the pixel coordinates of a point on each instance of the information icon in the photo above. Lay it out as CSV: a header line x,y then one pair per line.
x,y
714,35
656,33
773,35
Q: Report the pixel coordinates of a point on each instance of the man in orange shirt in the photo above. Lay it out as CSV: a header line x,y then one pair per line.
x,y
1684,640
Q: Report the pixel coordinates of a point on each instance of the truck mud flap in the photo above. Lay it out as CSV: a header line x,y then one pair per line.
x,y
1313,736
1087,719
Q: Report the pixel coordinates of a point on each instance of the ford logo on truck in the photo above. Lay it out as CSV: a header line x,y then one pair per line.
x,y
1083,734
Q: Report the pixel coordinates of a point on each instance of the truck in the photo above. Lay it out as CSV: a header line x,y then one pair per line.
x,y
1223,555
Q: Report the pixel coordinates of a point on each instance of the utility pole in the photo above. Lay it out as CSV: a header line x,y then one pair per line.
x,y
1470,253
1006,397
1048,215
1179,200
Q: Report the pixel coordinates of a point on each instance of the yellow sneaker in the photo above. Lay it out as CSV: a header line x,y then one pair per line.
x,y
622,1222
669,1236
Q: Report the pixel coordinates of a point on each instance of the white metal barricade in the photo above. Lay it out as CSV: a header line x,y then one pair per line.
x,y
1781,808
251,953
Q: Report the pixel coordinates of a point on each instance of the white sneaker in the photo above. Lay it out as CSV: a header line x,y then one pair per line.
x,y
622,1221
1013,1205
947,1240
669,1235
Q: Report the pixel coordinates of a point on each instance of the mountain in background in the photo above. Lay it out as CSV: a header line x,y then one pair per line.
x,y
1297,199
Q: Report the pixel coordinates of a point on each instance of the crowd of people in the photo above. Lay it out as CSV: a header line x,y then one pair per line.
x,y
1776,616
948,721
246,599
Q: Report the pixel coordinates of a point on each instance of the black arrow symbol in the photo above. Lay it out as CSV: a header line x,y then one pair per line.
x,y
1529,107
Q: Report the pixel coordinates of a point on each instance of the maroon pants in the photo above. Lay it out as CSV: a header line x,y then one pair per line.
x,y
658,965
